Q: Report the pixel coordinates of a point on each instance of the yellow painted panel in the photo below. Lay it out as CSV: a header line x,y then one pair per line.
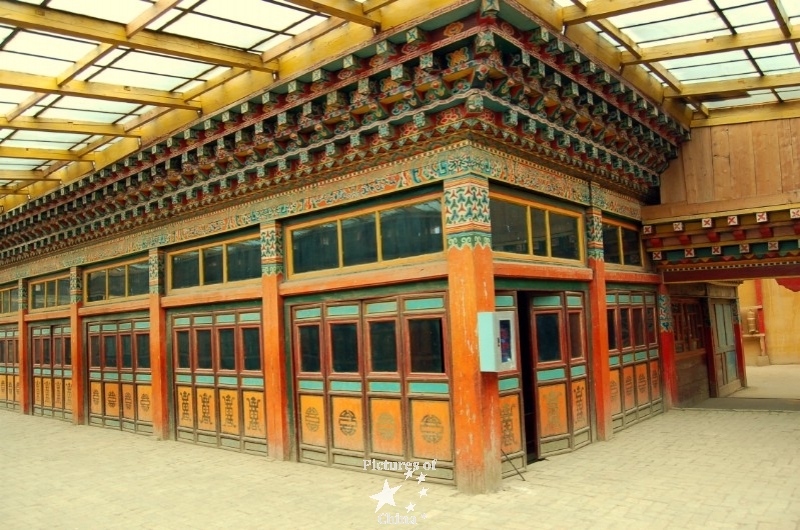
x,y
616,398
628,387
229,412
347,421
655,380
642,386
68,394
510,424
128,401
185,406
206,409
47,392
144,402
312,421
552,410
17,391
3,391
96,399
37,390
112,399
580,407
387,432
254,422
431,430
58,393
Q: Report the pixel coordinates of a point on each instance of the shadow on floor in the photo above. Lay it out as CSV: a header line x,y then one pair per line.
x,y
771,387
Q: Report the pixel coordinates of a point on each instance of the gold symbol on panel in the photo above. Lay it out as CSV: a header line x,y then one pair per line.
x,y
229,411
185,406
58,393
553,423
431,428
348,422
386,426
312,419
96,396
614,390
253,404
642,383
628,385
128,401
507,424
112,399
578,391
144,401
2,386
68,384
205,409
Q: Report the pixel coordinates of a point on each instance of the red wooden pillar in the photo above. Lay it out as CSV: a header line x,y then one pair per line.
x,y
275,367
76,349
601,373
476,409
24,351
667,336
158,347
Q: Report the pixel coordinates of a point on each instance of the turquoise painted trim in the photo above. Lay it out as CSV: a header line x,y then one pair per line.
x,y
142,325
110,376
384,386
650,299
343,311
126,377
204,320
183,321
58,373
641,355
546,301
226,319
508,384
47,371
504,301
577,371
67,330
109,327
310,385
637,299
429,388
308,313
382,307
654,353
204,379
627,358
253,381
613,361
94,328
68,373
424,303
181,378
624,299
611,299
95,375
574,301
2,369
227,381
37,332
37,371
549,375
143,378
250,317
125,326
346,386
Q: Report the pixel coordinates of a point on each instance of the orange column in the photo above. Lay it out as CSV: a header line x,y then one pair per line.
x,y
275,366
24,351
158,346
667,333
76,348
601,374
476,409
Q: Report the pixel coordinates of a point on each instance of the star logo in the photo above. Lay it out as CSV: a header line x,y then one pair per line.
x,y
410,507
386,496
409,474
423,492
421,478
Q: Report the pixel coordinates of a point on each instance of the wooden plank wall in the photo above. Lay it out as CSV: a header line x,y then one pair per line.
x,y
732,167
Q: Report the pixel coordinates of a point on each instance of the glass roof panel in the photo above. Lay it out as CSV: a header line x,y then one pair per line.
x,y
725,4
722,57
9,95
80,115
787,94
42,144
778,62
5,108
305,25
749,14
274,41
206,28
49,46
710,71
115,76
21,162
29,64
647,16
158,64
98,105
751,100
679,27
766,51
164,19
214,72
110,57
122,11
257,12
687,38
87,74
70,138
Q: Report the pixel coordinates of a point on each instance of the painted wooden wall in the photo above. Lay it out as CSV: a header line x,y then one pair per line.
x,y
732,167
781,308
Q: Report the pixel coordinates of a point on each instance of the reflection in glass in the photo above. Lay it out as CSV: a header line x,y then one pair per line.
x,y
244,260
212,265
611,252
203,345
576,335
564,236
344,347
63,291
186,269
227,349
251,344
138,278
548,337
383,346
359,243
411,230
631,247
612,329
509,227
315,248
309,348
116,282
184,358
539,228
97,286
426,345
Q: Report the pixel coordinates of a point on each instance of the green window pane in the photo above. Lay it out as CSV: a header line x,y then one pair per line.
x,y
116,282
564,240
62,287
138,278
212,265
50,294
143,351
383,346
251,346
186,270
227,349
611,250
359,240
110,351
426,345
509,227
539,228
309,348
412,230
315,248
67,351
203,346
344,347
127,351
96,288
244,260
548,337
94,351
184,357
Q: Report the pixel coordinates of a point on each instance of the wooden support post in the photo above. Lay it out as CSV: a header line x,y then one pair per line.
x,y
737,334
601,373
158,347
667,332
276,368
476,400
79,361
24,353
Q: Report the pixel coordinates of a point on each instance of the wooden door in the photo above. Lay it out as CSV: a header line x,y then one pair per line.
x,y
724,348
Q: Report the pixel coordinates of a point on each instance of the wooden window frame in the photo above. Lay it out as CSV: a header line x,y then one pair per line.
x,y
200,266
107,298
620,241
44,283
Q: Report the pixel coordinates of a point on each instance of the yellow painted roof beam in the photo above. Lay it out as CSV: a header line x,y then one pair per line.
x,y
64,126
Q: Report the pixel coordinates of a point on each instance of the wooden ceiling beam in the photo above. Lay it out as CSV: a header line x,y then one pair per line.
x,y
90,89
780,16
750,113
344,9
722,43
64,126
42,154
600,9
27,103
38,18
84,62
23,176
12,191
150,15
303,38
713,88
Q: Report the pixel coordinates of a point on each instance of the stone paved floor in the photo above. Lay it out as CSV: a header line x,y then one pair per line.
x,y
682,469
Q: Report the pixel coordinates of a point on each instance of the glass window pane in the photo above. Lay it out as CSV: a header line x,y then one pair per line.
x,y
143,351
57,351
186,270
576,335
94,350
631,247
110,348
116,282
359,241
3,359
564,240
212,265
37,301
509,226
251,346
67,351
638,326
651,325
344,347
548,337
96,290
426,345
611,315
625,327
315,248
309,348
383,346
138,278
127,351
244,260
62,286
37,351
46,352
539,228
611,251
183,349
412,230
50,294
227,349
203,345
14,300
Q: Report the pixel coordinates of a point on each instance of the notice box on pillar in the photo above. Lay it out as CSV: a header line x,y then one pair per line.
x,y
497,333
